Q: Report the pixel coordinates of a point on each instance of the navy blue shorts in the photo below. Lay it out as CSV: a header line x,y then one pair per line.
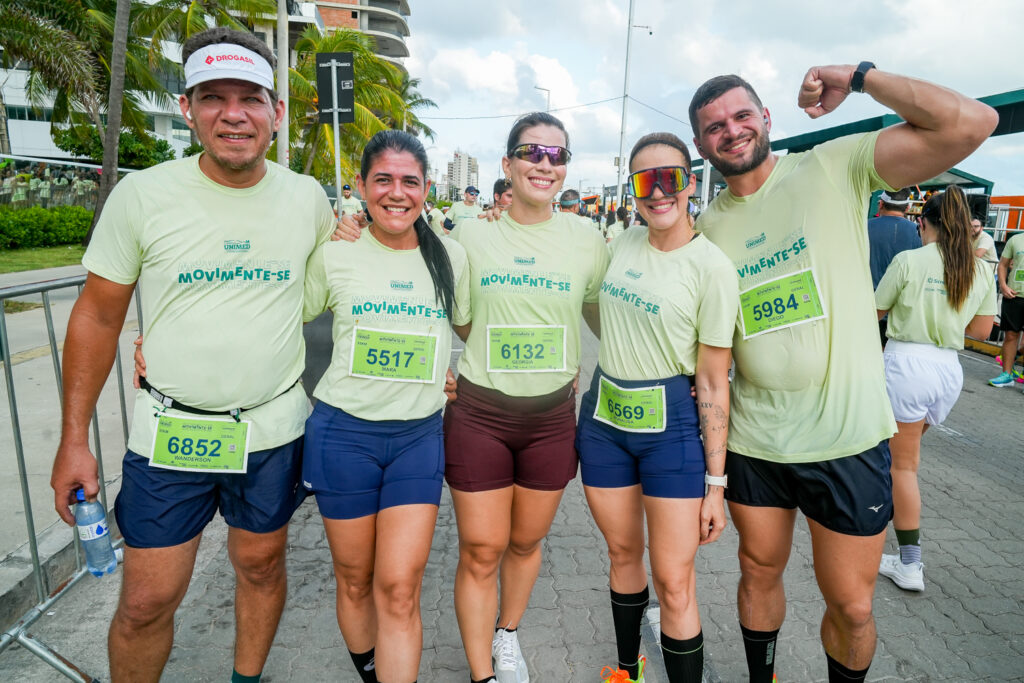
x,y
358,467
159,508
851,495
668,464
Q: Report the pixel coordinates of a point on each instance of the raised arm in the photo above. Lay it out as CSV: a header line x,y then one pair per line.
x,y
89,351
941,127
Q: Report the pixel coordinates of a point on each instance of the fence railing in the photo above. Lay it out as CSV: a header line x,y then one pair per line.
x,y
45,594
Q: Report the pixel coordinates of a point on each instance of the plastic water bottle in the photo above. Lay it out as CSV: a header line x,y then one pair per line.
x,y
95,536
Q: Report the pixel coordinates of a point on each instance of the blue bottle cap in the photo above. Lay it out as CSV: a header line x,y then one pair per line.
x,y
80,494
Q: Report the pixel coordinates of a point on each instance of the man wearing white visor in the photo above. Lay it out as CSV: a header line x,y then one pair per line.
x,y
219,244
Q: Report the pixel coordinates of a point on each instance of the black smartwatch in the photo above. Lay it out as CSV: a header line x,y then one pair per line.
x,y
857,82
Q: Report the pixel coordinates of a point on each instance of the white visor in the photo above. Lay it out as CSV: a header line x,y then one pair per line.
x,y
894,202
227,60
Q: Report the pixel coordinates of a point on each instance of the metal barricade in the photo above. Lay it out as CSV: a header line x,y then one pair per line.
x,y
47,595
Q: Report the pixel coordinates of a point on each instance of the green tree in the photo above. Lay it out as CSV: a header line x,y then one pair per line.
x,y
409,92
377,104
135,150
178,20
52,39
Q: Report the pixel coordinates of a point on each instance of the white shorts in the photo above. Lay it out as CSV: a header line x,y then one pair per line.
x,y
923,381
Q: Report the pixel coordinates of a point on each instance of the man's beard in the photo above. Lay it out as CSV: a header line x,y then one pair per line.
x,y
762,148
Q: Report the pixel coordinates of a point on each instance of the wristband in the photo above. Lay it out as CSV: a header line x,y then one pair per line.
x,y
717,481
857,82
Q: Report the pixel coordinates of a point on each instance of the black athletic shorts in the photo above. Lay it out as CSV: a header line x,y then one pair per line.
x,y
1011,316
850,495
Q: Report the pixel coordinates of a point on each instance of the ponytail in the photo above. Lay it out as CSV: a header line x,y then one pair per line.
x,y
948,212
438,265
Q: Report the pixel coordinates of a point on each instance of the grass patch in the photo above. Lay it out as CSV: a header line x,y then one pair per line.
x,y
11,306
17,260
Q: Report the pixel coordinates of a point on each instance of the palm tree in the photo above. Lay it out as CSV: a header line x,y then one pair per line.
x,y
47,36
377,102
115,100
409,92
177,20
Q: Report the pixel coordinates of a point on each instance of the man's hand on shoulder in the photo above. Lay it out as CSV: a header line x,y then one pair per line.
x,y
824,88
492,214
350,227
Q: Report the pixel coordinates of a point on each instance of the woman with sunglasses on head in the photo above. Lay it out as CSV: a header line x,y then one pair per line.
x,y
509,435
668,307
933,295
374,452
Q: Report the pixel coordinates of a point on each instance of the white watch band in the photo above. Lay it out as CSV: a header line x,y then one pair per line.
x,y
717,481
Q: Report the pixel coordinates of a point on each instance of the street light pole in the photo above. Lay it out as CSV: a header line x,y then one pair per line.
x,y
625,101
537,87
282,79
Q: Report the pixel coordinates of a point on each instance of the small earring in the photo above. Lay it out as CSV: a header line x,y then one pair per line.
x,y
507,179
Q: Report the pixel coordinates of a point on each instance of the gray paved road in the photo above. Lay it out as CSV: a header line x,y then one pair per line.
x,y
967,625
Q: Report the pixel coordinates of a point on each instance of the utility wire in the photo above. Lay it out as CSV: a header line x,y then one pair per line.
x,y
644,104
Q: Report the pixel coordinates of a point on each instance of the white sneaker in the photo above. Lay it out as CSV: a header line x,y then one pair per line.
x,y
509,665
909,577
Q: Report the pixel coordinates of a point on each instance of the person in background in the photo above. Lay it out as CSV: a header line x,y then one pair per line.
x,y
889,233
503,193
349,205
933,295
467,208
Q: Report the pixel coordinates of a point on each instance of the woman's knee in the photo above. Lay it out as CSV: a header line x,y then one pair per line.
x,y
624,553
399,598
480,559
676,593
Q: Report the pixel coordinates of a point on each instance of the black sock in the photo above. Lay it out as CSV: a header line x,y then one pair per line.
x,y
483,680
837,673
239,678
684,659
760,648
627,615
364,665
502,628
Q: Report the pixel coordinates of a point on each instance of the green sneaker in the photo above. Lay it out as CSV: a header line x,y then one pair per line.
x,y
1004,379
609,675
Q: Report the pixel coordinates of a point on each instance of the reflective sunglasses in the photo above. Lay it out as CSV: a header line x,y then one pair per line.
x,y
671,179
532,152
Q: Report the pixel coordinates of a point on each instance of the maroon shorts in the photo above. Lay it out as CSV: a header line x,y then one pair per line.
x,y
492,440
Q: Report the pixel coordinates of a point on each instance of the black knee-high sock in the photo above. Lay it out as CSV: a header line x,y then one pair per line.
x,y
760,649
365,665
684,659
627,615
837,673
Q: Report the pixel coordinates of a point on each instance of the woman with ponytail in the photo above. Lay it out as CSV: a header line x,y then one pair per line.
x,y
933,295
374,450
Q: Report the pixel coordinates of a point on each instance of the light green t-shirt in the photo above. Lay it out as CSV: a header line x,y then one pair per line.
x,y
349,206
613,231
985,241
809,383
382,291
220,271
1014,250
436,221
914,293
459,211
528,284
657,306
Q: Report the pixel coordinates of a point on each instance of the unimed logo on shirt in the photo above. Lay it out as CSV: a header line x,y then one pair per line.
x,y
634,274
401,284
754,241
236,245
524,260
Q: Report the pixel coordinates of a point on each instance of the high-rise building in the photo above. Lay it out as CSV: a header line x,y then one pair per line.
x,y
462,172
384,20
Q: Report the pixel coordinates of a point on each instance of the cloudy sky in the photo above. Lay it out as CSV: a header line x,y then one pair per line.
x,y
483,59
